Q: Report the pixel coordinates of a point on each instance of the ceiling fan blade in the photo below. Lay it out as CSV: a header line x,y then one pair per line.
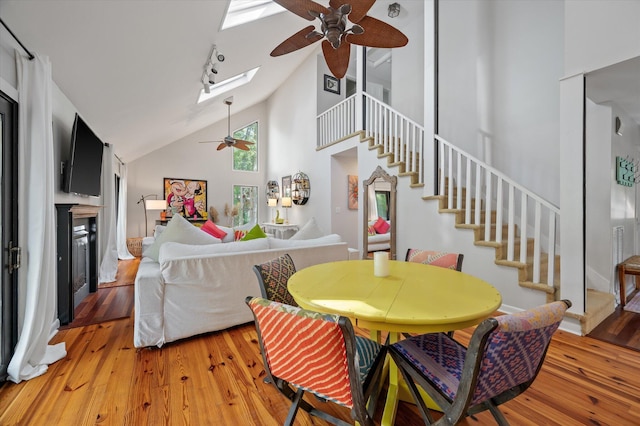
x,y
302,8
297,41
209,141
359,8
377,34
221,146
240,144
337,59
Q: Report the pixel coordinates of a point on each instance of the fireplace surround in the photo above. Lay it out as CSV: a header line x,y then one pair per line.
x,y
77,255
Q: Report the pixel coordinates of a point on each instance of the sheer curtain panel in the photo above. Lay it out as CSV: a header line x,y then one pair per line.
x,y
37,321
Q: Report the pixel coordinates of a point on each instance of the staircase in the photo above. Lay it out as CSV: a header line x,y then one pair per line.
x,y
522,227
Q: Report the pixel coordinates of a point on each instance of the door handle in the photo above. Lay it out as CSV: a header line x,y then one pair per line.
x,y
15,255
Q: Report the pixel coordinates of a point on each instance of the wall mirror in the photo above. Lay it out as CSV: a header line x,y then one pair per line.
x,y
379,204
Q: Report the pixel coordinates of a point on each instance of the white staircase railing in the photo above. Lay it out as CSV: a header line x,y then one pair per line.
x,y
528,219
529,224
399,135
337,122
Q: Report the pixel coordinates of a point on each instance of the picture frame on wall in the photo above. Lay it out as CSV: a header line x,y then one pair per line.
x,y
186,197
352,192
331,84
286,186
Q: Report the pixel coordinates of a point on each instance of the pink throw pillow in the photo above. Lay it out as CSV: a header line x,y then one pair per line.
x,y
210,228
381,226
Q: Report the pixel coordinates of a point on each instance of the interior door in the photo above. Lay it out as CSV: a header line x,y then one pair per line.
x,y
9,231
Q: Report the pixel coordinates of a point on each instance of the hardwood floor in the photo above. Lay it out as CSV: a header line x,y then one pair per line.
x,y
621,328
217,379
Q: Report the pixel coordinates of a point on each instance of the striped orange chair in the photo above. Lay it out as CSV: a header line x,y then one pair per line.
x,y
306,351
436,258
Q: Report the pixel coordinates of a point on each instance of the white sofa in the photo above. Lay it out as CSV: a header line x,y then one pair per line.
x,y
194,289
377,241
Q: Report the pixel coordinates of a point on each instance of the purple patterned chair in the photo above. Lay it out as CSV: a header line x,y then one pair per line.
x,y
273,277
502,360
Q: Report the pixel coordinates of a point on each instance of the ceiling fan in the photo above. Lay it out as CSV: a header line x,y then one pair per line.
x,y
229,140
365,30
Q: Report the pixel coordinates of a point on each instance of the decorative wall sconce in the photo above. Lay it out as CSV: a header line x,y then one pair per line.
x,y
273,190
300,188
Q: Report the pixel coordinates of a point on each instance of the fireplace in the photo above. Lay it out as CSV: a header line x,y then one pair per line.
x,y
77,256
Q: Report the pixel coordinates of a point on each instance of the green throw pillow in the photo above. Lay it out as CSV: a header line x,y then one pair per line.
x,y
255,232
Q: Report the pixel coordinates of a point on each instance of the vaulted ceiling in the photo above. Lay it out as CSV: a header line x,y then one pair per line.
x,y
133,68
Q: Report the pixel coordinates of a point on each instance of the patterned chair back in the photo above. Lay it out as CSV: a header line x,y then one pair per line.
x,y
435,258
273,277
516,348
305,348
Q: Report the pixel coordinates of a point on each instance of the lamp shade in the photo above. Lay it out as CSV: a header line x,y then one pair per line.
x,y
286,201
272,202
155,204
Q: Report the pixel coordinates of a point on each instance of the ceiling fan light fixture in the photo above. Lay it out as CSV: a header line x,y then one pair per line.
x,y
394,10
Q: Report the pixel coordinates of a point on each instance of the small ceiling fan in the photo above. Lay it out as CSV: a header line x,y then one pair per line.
x,y
229,140
365,30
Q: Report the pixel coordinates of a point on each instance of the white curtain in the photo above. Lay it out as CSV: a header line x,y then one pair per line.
x,y
107,232
373,205
123,250
37,293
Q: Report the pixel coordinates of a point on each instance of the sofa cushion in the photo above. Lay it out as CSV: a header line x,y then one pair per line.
x,y
381,226
212,229
179,230
171,251
309,231
275,243
254,233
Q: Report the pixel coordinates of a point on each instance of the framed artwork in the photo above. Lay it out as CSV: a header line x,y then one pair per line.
x,y
331,84
352,192
186,197
286,186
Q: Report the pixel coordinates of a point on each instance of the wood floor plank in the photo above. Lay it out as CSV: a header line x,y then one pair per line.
x,y
217,379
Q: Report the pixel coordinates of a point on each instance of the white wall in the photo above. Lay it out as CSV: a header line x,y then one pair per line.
x,y
499,94
189,159
599,33
344,221
598,196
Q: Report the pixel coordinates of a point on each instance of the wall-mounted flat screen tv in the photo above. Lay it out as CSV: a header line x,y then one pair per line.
x,y
84,168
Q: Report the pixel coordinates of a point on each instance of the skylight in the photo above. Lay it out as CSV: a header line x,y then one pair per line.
x,y
244,11
228,84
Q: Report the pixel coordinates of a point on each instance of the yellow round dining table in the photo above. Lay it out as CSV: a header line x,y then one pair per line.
x,y
414,298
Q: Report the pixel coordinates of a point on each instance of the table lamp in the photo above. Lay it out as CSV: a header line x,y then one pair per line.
x,y
272,202
286,204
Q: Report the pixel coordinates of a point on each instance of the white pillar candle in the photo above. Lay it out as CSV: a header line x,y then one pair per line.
x,y
381,264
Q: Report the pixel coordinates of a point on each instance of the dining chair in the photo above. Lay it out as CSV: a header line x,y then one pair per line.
x,y
436,258
273,277
306,351
502,360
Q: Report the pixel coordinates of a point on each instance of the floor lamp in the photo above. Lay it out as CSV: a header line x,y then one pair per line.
x,y
154,204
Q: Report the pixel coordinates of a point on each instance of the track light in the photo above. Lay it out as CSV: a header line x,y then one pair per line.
x,y
219,56
214,68
212,77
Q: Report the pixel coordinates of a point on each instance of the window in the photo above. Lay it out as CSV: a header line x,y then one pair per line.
x,y
382,203
246,199
246,161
